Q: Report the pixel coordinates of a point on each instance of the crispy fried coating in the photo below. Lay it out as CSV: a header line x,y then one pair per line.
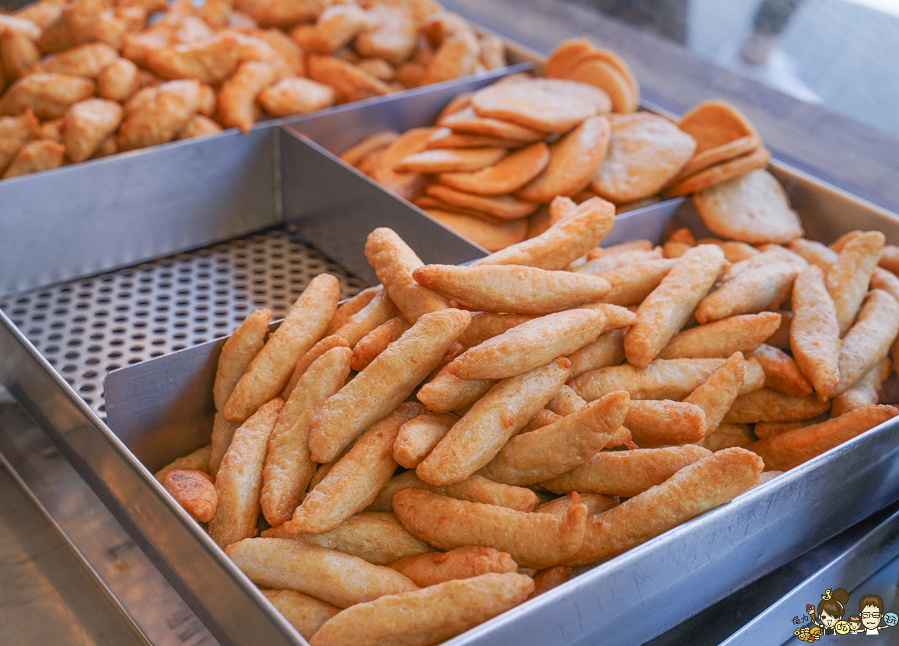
x,y
237,98
34,157
88,124
157,121
461,563
47,95
194,491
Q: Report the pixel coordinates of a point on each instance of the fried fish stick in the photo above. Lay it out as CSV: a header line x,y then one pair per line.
x,y
626,473
563,242
781,372
724,337
446,392
792,448
354,482
306,614
752,291
848,278
304,362
429,616
198,460
239,479
632,283
376,341
654,423
379,310
377,537
557,448
474,489
385,383
288,466
270,370
695,489
595,503
607,350
665,311
476,438
815,332
461,563
533,540
532,344
394,261
865,391
512,288
567,402
662,379
718,393
766,405
319,572
869,340
419,436
193,489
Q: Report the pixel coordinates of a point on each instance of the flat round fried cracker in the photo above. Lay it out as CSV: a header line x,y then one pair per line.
x,y
427,202
645,152
715,123
406,185
621,65
354,154
564,57
450,160
446,138
574,160
507,176
492,237
718,154
718,173
466,121
504,207
607,78
551,105
752,208
457,103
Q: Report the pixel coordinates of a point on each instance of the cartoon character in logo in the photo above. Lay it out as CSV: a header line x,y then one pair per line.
x,y
831,610
805,635
870,607
855,624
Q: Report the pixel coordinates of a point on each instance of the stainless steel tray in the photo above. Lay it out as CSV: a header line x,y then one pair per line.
x,y
660,583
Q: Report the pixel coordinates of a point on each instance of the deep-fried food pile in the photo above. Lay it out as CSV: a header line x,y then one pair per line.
x,y
90,78
495,158
443,446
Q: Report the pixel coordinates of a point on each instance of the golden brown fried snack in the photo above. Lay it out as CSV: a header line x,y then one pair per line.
x,y
209,60
781,372
717,394
661,379
695,489
339,579
386,382
194,491
118,80
607,350
199,126
503,177
47,95
476,438
815,332
474,489
239,478
427,616
493,236
165,112
348,81
868,342
281,13
377,311
77,23
419,436
632,283
848,278
295,96
748,292
198,460
723,337
83,60
15,132
461,563
865,391
237,98
393,36
728,436
533,540
270,370
35,156
446,392
88,124
458,55
306,614
18,53
376,341
594,502
766,405
655,423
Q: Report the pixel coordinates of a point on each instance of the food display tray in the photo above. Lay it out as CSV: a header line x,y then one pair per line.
x,y
90,282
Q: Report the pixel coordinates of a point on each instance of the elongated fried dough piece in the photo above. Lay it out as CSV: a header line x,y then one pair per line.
x,y
748,292
781,372
865,391
198,460
505,176
533,540
695,489
379,310
450,160
461,563
428,616
665,311
594,502
288,466
418,437
764,430
306,614
504,207
446,392
532,344
304,362
815,332
512,288
476,438
570,238
626,473
848,278
727,436
567,402
193,489
632,283
376,341
557,448
722,338
546,580
474,489
270,370
655,423
394,261
239,479
792,448
386,382
869,340
356,479
237,98
486,325
718,393
767,405
319,572
607,350
662,379
377,537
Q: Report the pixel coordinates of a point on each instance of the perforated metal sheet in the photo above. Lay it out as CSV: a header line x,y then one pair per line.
x,y
88,327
